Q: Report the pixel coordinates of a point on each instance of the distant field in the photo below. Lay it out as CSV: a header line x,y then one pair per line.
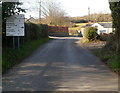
x,y
74,30
79,25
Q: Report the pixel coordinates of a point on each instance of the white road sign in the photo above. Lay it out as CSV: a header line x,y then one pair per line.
x,y
15,25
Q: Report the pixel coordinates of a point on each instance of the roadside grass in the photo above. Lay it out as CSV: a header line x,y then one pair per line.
x,y
11,57
110,59
84,41
87,41
114,64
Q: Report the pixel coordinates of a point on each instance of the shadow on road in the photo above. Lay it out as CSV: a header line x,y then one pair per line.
x,y
60,65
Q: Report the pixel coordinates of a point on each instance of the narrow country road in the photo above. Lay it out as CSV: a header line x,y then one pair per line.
x,y
61,65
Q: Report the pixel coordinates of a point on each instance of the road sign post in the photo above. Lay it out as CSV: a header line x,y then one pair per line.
x,y
15,28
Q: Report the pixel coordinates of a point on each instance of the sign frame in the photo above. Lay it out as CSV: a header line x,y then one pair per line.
x,y
15,25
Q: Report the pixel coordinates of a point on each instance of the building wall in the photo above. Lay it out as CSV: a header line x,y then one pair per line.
x,y
82,31
58,31
101,29
105,30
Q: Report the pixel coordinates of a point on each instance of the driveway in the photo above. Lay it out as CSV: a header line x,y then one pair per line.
x,y
61,65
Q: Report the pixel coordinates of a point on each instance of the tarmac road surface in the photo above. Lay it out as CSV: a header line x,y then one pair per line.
x,y
61,65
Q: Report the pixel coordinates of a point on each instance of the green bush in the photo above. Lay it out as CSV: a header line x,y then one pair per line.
x,y
90,33
110,58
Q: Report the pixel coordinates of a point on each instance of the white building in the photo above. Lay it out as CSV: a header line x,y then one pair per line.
x,y
103,27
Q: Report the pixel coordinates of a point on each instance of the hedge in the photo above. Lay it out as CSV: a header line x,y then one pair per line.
x,y
35,35
32,32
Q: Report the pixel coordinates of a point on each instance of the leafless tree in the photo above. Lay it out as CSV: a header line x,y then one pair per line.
x,y
53,13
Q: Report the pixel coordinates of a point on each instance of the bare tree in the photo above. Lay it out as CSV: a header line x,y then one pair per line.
x,y
53,13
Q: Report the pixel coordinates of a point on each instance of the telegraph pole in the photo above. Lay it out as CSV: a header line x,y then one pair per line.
x,y
88,13
40,4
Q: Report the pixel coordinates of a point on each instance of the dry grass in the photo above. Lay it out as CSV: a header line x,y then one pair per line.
x,y
84,41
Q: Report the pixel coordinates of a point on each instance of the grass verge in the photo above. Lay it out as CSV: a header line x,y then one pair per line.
x,y
11,57
110,59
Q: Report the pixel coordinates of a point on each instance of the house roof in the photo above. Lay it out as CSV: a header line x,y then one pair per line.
x,y
106,25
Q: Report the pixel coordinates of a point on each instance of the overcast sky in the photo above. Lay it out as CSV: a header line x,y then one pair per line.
x,y
80,7
72,7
